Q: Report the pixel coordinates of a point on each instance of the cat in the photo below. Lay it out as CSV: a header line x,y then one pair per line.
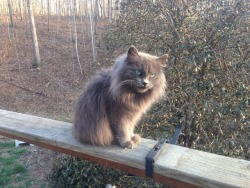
x,y
113,101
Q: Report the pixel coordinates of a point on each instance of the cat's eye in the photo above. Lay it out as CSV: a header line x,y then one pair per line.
x,y
138,72
152,75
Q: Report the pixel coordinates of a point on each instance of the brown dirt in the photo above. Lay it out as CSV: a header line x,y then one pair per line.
x,y
50,90
39,162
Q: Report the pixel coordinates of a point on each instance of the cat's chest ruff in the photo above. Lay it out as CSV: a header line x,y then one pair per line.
x,y
132,100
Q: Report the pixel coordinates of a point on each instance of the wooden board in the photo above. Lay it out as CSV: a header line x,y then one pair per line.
x,y
176,166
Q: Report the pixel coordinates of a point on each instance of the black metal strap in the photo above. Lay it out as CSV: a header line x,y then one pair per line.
x,y
151,156
156,151
176,134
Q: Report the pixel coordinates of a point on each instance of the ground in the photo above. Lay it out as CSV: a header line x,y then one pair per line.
x,y
38,162
51,89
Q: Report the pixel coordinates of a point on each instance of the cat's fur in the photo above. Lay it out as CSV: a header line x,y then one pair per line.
x,y
114,99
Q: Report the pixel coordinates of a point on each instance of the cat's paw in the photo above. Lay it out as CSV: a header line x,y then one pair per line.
x,y
128,145
136,138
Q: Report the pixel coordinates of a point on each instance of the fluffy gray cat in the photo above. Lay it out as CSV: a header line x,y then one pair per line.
x,y
114,99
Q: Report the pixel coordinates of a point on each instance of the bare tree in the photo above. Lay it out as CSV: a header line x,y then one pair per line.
x,y
117,8
91,29
24,9
109,10
97,13
20,9
82,24
10,14
58,11
37,58
48,8
75,36
102,11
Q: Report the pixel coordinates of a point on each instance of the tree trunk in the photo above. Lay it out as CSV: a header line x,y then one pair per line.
x,y
92,30
48,13
58,10
103,8
75,36
10,14
20,9
82,24
109,10
97,13
37,58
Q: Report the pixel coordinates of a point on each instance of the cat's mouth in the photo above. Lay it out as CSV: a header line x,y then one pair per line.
x,y
142,88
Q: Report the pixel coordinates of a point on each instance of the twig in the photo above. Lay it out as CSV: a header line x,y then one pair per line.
x,y
23,88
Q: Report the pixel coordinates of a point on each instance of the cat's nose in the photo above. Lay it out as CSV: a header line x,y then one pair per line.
x,y
145,82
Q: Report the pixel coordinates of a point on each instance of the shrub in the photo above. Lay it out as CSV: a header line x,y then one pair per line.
x,y
208,73
77,173
208,77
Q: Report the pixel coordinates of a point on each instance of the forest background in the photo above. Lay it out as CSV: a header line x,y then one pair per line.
x,y
208,69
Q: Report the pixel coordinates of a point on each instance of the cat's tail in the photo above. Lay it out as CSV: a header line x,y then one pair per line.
x,y
91,121
92,128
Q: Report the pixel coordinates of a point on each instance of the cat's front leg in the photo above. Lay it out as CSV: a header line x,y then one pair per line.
x,y
136,138
124,138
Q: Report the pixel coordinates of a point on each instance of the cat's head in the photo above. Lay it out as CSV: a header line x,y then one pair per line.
x,y
141,72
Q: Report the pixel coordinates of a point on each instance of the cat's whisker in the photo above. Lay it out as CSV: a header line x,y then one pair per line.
x,y
125,82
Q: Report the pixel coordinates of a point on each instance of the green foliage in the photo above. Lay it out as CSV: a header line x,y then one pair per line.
x,y
208,73
73,172
6,144
10,169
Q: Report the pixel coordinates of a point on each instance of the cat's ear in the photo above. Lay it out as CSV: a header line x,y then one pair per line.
x,y
162,60
132,52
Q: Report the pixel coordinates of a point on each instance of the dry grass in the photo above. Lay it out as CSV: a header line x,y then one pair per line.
x,y
52,89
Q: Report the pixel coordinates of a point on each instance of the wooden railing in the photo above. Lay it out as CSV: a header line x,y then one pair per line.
x,y
176,166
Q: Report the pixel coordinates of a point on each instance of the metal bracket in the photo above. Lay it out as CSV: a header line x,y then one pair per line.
x,y
176,134
151,157
156,151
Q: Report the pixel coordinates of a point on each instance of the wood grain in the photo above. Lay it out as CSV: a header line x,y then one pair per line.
x,y
176,166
